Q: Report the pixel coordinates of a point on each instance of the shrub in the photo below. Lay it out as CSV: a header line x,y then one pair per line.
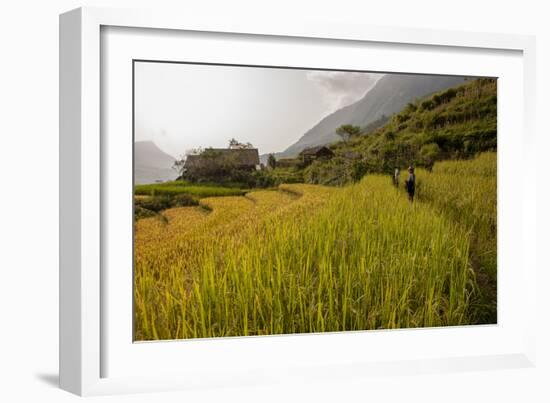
x,y
427,105
154,203
140,212
182,200
429,154
151,206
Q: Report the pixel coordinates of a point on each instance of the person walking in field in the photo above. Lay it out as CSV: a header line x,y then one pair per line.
x,y
396,177
410,183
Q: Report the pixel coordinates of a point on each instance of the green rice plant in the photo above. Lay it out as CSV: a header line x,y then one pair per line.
x,y
304,259
466,192
176,188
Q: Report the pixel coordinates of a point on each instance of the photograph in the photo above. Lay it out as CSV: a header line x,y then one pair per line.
x,y
275,200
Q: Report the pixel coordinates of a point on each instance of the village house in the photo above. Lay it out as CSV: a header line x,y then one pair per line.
x,y
246,159
311,154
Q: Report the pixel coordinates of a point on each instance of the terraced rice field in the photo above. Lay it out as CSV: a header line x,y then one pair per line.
x,y
308,258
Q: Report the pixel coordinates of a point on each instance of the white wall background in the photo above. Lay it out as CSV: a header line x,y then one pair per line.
x,y
29,201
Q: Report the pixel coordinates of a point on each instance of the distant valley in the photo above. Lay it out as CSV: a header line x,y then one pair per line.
x,y
151,164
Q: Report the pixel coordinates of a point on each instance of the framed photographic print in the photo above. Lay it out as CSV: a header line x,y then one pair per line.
x,y
244,201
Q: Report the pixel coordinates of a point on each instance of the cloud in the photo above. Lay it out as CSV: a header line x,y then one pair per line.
x,y
339,88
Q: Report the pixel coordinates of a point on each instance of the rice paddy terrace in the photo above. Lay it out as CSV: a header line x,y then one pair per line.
x,y
309,258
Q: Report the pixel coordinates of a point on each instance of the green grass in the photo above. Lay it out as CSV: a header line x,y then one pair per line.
x,y
466,192
282,175
353,258
183,187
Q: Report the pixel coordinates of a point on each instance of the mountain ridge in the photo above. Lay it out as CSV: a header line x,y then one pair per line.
x,y
388,96
151,164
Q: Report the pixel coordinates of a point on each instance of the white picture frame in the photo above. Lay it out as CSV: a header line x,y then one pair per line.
x,y
86,345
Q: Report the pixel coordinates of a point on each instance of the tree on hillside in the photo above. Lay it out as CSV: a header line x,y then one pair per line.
x,y
428,154
271,161
178,165
347,131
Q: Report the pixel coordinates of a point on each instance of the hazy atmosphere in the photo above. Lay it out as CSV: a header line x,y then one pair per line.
x,y
185,106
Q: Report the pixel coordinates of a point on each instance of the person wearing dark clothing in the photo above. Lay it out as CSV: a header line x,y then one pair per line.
x,y
410,183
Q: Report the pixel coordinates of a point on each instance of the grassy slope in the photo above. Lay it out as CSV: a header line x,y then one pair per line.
x,y
151,199
458,122
459,119
183,187
361,257
466,192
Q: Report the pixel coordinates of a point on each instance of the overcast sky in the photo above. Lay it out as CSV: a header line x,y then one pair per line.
x,y
185,106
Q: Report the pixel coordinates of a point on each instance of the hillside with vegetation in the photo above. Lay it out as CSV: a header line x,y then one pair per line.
x,y
388,96
456,123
